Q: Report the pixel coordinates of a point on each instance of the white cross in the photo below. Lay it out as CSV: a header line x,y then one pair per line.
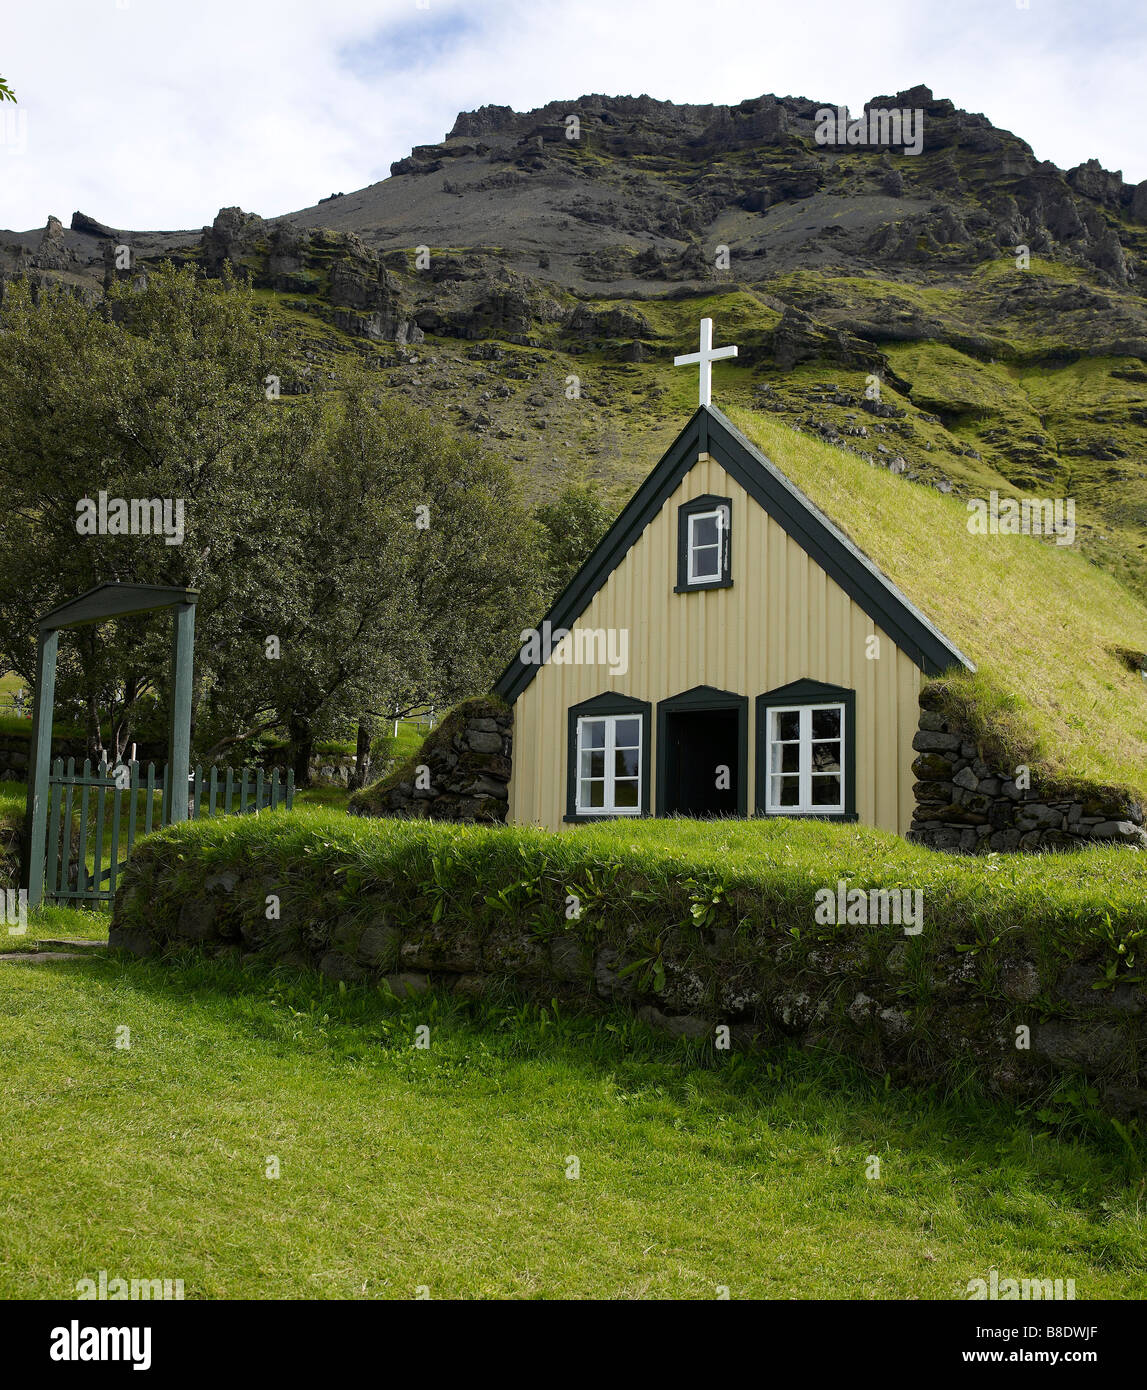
x,y
707,355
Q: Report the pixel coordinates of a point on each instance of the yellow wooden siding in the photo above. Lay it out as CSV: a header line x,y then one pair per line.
x,y
782,620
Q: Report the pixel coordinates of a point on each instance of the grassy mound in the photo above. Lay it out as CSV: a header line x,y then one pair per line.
x,y
649,875
693,925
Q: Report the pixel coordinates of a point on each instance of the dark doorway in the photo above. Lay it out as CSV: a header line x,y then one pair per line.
x,y
702,763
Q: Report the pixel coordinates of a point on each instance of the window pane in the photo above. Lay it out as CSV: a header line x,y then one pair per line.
x,y
592,793
787,724
826,723
592,733
625,762
593,762
826,791
625,793
786,791
704,530
627,733
786,757
826,757
706,562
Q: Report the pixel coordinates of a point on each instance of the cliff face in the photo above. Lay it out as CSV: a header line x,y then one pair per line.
x,y
998,298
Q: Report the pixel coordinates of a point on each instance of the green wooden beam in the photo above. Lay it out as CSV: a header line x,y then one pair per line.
x,y
35,817
179,738
113,600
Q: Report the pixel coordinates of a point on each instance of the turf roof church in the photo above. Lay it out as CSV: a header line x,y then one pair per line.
x,y
752,683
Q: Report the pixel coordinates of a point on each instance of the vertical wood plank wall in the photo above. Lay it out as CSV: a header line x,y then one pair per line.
x,y
782,620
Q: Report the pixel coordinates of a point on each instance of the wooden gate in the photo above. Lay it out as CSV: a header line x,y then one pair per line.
x,y
90,812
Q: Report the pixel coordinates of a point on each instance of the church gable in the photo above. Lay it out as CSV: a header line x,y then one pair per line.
x,y
708,533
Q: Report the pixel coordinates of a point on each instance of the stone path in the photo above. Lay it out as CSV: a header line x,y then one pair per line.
x,y
38,957
49,948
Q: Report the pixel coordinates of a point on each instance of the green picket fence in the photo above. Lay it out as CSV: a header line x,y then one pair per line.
x,y
90,812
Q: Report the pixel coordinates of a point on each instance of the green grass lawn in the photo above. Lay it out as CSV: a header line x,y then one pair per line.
x,y
52,923
12,801
446,1168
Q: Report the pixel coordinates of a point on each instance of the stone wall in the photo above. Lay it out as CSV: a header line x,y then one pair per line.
x,y
15,754
967,804
332,769
326,769
924,1008
13,758
461,772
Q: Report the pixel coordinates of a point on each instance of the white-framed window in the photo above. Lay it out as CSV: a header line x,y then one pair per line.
x,y
806,759
609,765
705,545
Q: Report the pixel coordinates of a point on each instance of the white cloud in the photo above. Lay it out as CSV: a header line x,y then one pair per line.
x,y
157,114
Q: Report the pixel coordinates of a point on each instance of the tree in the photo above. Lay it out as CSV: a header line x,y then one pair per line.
x,y
348,550
156,393
6,92
573,524
416,565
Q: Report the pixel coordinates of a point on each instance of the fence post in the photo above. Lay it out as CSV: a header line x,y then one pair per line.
x,y
53,866
66,866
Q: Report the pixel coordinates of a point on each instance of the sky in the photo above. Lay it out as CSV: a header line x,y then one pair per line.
x,y
153,114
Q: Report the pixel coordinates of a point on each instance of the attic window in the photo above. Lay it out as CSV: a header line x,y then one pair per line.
x,y
704,544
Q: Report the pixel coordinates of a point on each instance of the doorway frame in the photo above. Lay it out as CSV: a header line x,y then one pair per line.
x,y
699,700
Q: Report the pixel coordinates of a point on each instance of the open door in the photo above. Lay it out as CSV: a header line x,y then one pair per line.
x,y
701,758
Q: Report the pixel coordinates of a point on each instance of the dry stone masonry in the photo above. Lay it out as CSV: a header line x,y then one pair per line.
x,y
921,1008
461,773
965,805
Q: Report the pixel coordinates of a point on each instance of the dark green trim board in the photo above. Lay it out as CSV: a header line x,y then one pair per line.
x,y
708,431
607,703
808,692
638,512
704,697
708,503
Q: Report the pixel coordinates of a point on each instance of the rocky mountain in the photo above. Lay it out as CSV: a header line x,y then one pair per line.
x,y
533,274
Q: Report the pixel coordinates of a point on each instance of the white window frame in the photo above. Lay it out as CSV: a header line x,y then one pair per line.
x,y
806,774
610,721
722,529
